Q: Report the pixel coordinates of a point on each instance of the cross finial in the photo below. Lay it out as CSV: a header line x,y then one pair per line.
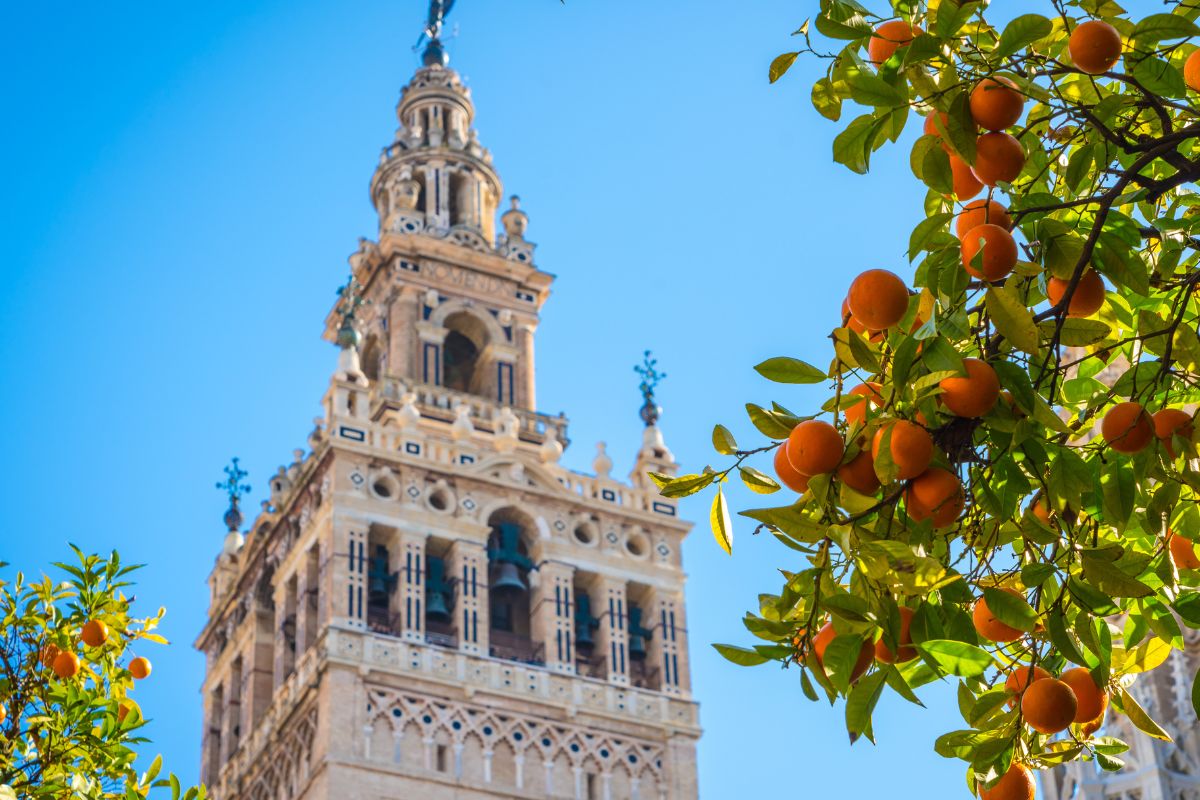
x,y
434,54
651,377
235,489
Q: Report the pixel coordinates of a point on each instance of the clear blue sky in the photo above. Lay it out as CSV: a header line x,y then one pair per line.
x,y
183,183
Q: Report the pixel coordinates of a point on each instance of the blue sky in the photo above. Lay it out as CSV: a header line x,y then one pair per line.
x,y
183,184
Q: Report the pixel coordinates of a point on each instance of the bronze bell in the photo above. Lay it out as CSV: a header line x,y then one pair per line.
x,y
585,623
437,591
637,635
508,581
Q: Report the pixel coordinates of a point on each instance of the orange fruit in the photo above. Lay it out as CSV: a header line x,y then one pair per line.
x,y
826,635
1041,509
935,494
1091,699
906,650
1171,422
878,299
47,655
140,668
930,127
1127,427
989,627
815,447
1095,47
3,714
95,633
1090,727
1016,784
998,157
859,473
124,708
999,252
1087,299
910,446
978,212
974,395
857,412
996,104
1020,678
66,664
787,474
1191,71
966,185
1183,552
888,38
1049,706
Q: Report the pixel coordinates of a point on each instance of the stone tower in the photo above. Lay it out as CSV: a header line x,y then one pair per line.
x,y
429,605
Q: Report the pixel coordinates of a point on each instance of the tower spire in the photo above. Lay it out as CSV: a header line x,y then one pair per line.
x,y
434,52
648,369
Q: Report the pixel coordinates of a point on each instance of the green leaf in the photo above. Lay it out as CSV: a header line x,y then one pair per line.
x,y
723,441
1119,493
719,518
1157,27
1140,719
1059,636
1159,77
1076,332
806,686
861,702
790,520
1020,33
741,656
780,65
756,481
790,370
1091,599
852,147
1196,693
937,175
770,423
1109,578
686,485
871,90
852,27
826,101
956,658
1012,318
1010,609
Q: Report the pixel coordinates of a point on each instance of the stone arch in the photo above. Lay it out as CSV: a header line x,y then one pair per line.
x,y
504,764
535,474
374,357
412,746
473,745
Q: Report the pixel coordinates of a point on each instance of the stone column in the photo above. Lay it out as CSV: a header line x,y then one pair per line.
x,y
467,567
429,356
403,314
410,593
526,373
344,579
668,646
613,636
554,615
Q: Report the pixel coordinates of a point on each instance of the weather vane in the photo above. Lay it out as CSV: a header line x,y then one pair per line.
x,y
350,300
434,54
233,486
651,377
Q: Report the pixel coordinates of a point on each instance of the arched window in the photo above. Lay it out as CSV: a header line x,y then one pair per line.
x,y
372,358
461,351
508,588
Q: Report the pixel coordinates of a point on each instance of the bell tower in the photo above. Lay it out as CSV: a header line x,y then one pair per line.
x,y
429,604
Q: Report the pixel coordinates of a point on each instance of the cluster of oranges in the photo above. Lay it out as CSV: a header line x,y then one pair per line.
x,y
94,634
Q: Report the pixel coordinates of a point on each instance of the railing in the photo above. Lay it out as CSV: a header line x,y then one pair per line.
x,y
514,647
591,666
438,402
441,634
644,676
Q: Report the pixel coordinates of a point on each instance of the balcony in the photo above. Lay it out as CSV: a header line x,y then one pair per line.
x,y
513,647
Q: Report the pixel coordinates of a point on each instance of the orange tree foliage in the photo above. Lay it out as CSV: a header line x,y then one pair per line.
x,y
1003,476
68,718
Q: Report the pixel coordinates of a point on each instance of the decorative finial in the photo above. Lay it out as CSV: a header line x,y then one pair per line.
x,y
233,486
351,299
434,53
650,378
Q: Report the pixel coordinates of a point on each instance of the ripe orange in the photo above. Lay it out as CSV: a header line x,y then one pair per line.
x,y
859,473
787,474
1091,699
1191,71
1090,727
1041,509
996,104
930,127
1087,299
125,707
998,157
3,714
95,633
857,412
1127,427
935,494
66,664
1020,678
910,446
974,395
815,447
966,185
47,655
878,299
888,38
906,650
977,212
1171,422
1183,552
1016,784
826,635
1049,705
1095,47
990,628
140,668
999,252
